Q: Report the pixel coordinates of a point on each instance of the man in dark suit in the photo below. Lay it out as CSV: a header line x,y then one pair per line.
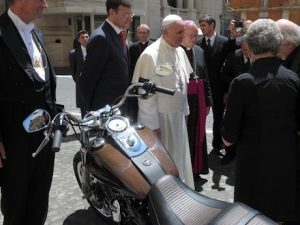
x,y
216,48
135,50
76,59
105,74
27,82
238,62
199,98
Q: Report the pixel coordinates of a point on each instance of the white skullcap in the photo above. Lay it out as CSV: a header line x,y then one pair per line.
x,y
170,19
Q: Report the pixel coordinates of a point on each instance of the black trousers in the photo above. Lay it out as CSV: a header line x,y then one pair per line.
x,y
26,181
218,112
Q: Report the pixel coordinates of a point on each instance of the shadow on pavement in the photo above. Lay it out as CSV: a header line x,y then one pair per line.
x,y
84,217
218,170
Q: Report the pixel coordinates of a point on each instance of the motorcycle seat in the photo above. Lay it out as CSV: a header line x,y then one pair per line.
x,y
171,202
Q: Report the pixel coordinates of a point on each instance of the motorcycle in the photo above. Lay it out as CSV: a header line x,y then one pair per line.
x,y
126,174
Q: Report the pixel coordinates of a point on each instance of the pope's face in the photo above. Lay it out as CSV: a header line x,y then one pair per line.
x,y
30,10
174,34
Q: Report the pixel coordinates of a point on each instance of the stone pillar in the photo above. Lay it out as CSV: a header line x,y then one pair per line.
x,y
190,4
179,4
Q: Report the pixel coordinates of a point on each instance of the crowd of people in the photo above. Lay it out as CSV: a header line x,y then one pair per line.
x,y
250,80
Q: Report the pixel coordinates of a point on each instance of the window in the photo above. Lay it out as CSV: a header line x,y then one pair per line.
x,y
264,3
172,3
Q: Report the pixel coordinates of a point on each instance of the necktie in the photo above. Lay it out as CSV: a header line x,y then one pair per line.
x,y
122,35
208,44
248,63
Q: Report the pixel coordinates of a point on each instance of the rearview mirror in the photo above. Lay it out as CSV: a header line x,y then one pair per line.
x,y
36,121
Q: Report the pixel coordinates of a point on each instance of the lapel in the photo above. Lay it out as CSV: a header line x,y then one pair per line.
x,y
79,55
114,37
16,46
39,37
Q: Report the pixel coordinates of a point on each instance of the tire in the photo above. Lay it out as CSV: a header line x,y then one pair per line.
x,y
101,207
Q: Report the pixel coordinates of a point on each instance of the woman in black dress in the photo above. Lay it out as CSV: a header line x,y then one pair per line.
x,y
261,118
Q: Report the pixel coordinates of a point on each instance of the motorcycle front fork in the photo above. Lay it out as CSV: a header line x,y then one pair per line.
x,y
84,181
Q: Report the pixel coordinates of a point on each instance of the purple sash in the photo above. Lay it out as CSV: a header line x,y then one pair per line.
x,y
197,88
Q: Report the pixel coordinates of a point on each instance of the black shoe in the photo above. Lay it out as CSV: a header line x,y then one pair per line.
x,y
204,172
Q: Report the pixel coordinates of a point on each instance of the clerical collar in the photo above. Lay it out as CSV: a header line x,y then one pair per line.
x,y
26,27
144,42
117,29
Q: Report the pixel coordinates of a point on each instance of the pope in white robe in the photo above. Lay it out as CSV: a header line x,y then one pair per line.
x,y
166,64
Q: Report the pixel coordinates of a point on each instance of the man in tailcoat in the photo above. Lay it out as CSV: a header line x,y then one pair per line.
x,y
76,59
27,82
216,48
105,74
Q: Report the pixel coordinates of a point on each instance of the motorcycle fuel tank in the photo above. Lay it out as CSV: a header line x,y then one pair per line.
x,y
137,173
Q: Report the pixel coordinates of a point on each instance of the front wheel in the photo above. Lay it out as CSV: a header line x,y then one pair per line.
x,y
101,205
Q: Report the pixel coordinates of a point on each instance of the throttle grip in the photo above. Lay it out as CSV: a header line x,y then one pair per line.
x,y
57,140
165,90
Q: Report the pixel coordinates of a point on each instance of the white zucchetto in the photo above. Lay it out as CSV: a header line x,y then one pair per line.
x,y
169,19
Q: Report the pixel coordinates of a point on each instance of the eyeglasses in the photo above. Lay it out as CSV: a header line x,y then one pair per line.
x,y
128,15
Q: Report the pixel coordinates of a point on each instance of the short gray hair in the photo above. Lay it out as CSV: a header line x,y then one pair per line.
x,y
290,31
263,36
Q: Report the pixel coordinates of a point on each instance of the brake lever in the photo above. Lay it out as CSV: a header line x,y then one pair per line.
x,y
43,144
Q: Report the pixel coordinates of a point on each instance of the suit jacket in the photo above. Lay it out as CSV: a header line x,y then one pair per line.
x,y
105,74
234,66
21,89
134,53
214,61
76,65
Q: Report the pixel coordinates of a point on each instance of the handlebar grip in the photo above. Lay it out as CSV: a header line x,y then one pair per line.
x,y
165,90
57,140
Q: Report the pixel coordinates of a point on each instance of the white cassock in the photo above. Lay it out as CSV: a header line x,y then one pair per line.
x,y
168,67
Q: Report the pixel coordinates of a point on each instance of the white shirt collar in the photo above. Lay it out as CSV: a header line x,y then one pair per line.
x,y
83,50
212,38
21,26
117,29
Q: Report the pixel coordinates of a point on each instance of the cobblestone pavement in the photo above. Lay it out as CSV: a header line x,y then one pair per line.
x,y
66,206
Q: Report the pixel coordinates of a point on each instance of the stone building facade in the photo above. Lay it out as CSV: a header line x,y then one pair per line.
x,y
64,18
274,9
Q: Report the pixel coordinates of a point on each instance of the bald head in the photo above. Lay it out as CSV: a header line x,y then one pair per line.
x,y
143,32
190,34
